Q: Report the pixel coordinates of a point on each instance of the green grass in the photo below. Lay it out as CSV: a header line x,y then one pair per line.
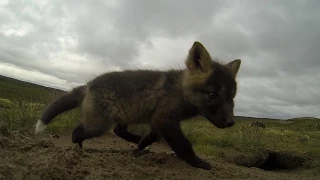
x,y
24,115
295,144
244,145
21,105
243,136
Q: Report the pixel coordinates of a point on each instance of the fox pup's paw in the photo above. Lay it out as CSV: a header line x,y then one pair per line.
x,y
139,152
199,163
204,165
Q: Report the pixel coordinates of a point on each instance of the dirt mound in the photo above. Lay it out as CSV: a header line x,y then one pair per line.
x,y
25,156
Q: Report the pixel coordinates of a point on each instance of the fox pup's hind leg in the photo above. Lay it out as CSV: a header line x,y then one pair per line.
x,y
121,130
80,133
89,128
171,132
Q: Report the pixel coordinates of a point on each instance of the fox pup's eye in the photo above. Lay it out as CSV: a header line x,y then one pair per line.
x,y
213,95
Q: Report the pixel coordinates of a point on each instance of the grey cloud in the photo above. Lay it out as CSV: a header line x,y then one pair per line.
x,y
172,18
287,32
284,97
133,24
277,41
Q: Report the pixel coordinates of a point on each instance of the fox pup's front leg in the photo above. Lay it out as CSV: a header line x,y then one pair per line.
x,y
171,132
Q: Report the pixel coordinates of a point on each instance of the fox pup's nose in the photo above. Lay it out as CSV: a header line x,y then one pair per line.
x,y
230,122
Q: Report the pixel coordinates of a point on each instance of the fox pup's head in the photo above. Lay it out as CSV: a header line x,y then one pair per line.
x,y
210,87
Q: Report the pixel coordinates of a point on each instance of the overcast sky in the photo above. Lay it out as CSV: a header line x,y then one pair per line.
x,y
63,44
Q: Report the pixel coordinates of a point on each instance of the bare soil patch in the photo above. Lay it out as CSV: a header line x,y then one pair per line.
x,y
26,156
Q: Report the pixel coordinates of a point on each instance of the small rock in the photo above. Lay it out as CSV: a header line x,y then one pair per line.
x,y
55,136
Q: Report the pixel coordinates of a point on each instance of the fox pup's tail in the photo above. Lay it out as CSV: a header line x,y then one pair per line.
x,y
65,102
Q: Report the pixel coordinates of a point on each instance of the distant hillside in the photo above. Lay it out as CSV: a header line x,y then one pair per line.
x,y
269,119
14,89
254,118
303,118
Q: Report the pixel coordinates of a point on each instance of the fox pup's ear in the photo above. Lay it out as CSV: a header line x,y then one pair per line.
x,y
234,66
198,59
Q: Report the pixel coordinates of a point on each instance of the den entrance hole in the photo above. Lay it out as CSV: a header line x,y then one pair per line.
x,y
277,161
271,161
280,161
